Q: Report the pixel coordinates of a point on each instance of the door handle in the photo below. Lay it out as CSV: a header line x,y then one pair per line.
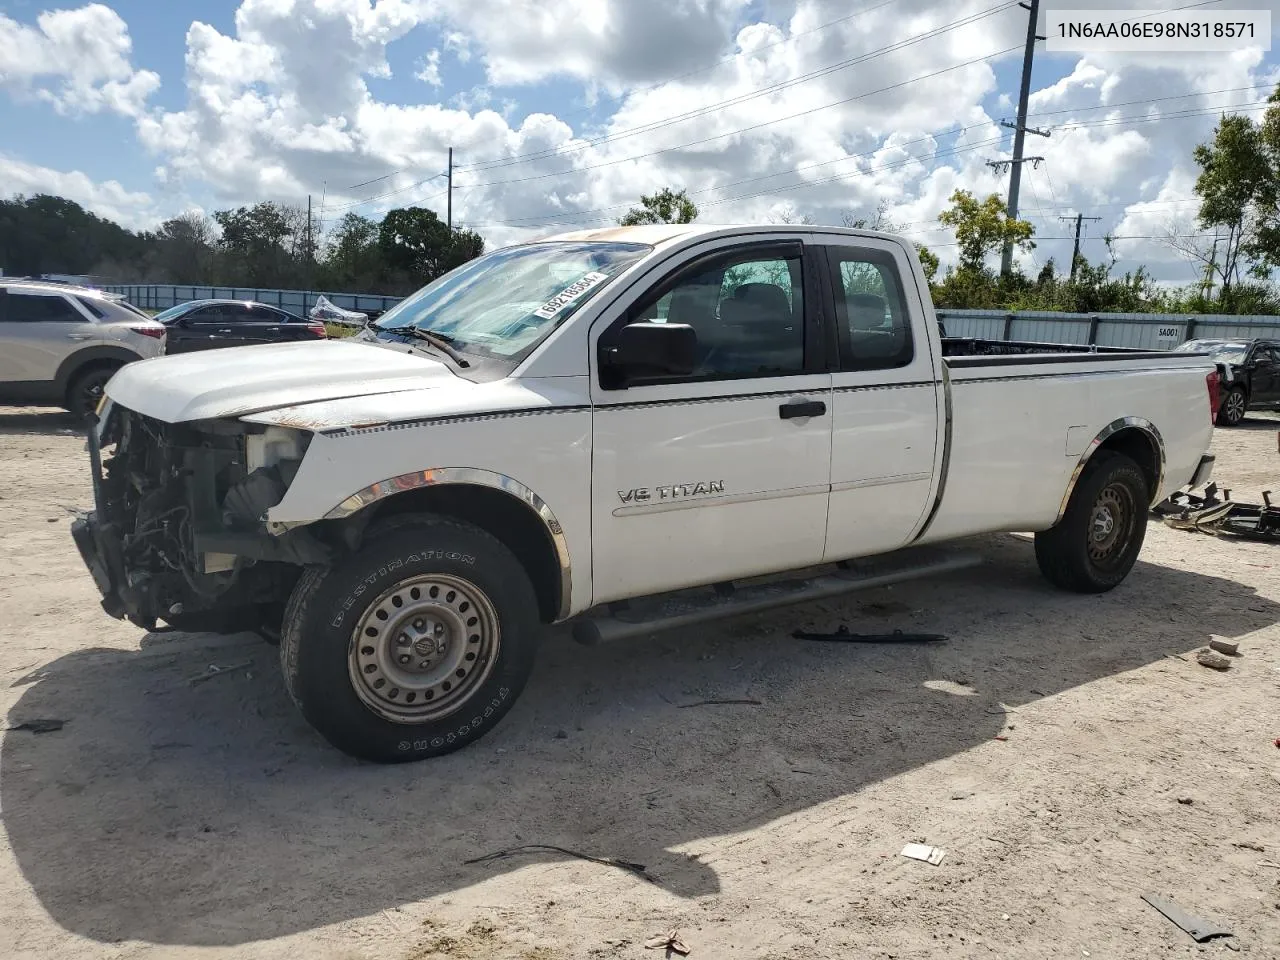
x,y
794,409
79,336
224,331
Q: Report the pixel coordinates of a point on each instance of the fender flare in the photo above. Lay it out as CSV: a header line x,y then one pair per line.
x,y
476,477
100,353
1143,426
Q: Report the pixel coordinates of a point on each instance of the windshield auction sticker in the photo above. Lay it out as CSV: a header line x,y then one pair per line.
x,y
1157,31
569,294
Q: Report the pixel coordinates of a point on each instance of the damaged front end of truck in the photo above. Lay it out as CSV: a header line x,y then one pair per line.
x,y
179,532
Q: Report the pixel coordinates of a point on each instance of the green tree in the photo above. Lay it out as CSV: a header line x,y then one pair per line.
x,y
352,258
256,245
665,206
983,228
184,250
1236,186
417,246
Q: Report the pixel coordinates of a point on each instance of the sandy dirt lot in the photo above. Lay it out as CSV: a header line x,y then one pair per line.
x,y
1058,747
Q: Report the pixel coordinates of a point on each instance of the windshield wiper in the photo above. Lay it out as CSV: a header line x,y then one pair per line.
x,y
440,341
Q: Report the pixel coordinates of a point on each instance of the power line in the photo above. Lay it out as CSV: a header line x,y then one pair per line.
x,y
690,73
561,218
742,98
731,133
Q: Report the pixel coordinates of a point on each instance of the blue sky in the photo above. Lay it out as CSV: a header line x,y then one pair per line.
x,y
142,109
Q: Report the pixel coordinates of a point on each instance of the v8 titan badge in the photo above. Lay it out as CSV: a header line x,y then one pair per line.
x,y
569,294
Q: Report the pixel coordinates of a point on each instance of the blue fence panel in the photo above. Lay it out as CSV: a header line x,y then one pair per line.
x,y
161,296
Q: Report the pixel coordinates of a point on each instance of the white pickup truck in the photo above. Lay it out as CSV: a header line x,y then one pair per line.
x,y
633,428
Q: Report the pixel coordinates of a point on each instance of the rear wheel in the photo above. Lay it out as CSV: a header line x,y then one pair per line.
x,y
86,389
1234,406
414,646
1097,542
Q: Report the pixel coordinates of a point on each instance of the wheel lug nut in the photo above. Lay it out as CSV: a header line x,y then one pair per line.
x,y
425,664
419,624
404,658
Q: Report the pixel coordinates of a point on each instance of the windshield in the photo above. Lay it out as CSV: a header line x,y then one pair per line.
x,y
503,303
1224,351
166,315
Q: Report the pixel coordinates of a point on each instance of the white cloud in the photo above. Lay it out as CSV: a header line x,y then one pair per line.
x,y
281,107
109,199
77,60
429,69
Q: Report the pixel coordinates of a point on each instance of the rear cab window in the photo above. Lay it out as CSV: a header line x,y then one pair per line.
x,y
873,323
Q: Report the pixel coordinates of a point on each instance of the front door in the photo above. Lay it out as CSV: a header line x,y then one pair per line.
x,y
38,331
886,402
724,473
204,328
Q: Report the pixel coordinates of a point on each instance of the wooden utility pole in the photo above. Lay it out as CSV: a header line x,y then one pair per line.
x,y
1075,251
1020,128
450,201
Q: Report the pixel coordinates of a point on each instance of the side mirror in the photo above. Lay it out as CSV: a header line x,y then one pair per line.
x,y
652,350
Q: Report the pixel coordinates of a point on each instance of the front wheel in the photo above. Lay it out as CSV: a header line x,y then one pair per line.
x,y
1234,406
85,392
414,646
1097,542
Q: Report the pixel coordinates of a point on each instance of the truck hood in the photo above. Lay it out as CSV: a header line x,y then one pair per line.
x,y
234,381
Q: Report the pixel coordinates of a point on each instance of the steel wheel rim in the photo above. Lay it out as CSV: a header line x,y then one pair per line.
x,y
448,630
1235,406
1111,523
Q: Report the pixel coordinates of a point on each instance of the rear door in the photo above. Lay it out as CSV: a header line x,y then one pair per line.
x,y
253,323
38,330
290,328
1264,375
886,401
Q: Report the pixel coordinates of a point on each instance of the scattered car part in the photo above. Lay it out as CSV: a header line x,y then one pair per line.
x,y
1200,930
924,852
842,635
1230,647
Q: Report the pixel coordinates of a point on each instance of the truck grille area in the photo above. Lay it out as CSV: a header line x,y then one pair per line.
x,y
162,485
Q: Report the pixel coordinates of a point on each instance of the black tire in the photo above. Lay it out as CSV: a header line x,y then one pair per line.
x,y
333,680
1235,403
85,390
1080,553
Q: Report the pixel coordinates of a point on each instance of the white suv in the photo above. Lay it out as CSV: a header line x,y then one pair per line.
x,y
60,344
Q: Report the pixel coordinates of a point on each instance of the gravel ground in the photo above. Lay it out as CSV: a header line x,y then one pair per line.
x,y
1067,752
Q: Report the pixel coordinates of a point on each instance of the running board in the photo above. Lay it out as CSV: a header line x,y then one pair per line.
x,y
682,608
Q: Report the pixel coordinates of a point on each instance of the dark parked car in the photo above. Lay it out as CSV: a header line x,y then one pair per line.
x,y
1250,372
206,324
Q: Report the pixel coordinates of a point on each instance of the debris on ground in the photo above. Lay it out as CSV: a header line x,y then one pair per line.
x,y
213,670
1222,517
1230,647
1212,659
1186,801
1200,930
842,635
638,869
670,941
47,725
743,701
1246,845
924,852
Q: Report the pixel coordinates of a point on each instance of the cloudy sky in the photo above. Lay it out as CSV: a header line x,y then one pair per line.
x,y
562,112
